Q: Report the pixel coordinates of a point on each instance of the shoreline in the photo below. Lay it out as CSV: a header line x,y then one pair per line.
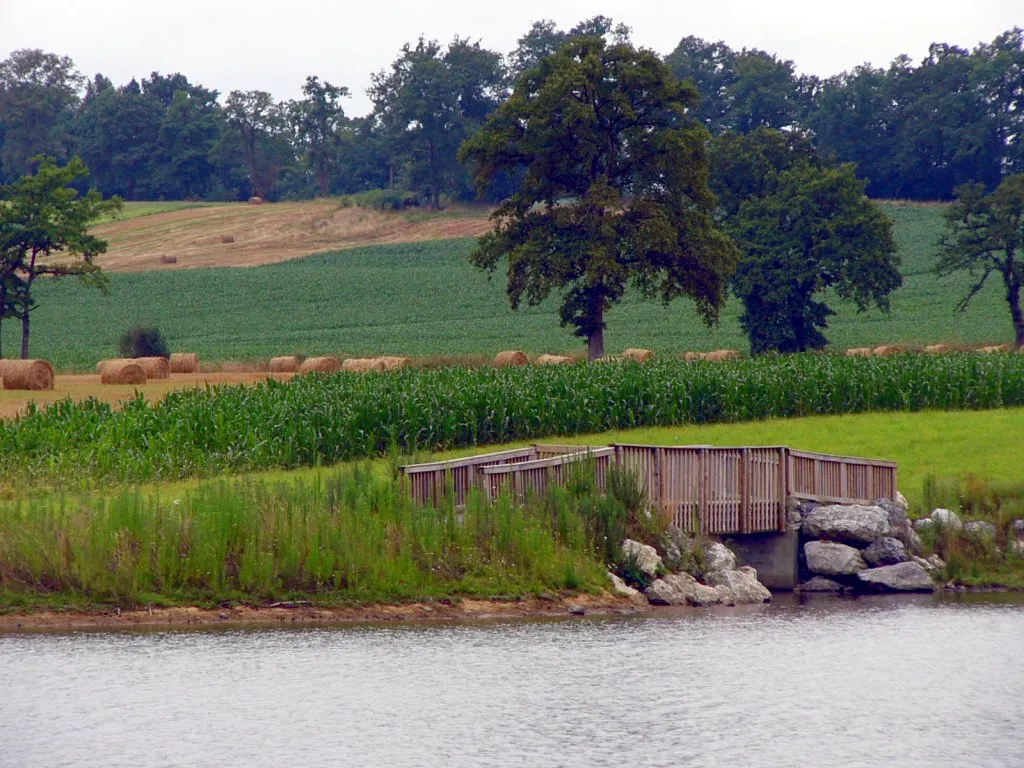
x,y
301,614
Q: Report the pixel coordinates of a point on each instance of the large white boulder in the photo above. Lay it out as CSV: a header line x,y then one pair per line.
x,y
947,518
902,577
682,589
718,557
847,523
743,586
645,557
828,558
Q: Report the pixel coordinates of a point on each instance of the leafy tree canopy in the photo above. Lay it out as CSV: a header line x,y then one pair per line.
x,y
44,230
985,234
613,187
813,230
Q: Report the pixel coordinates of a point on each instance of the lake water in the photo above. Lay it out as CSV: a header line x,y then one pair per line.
x,y
929,681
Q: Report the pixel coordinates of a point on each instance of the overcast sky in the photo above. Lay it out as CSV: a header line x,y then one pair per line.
x,y
273,46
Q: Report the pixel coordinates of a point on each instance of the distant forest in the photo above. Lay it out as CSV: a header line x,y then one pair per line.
x,y
914,130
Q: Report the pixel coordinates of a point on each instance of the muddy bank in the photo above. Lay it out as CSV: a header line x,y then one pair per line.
x,y
292,614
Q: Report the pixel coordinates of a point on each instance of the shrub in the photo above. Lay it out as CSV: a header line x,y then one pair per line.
x,y
383,199
143,342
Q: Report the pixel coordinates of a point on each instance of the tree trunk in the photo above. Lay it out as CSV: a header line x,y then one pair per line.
x,y
595,344
24,335
1013,297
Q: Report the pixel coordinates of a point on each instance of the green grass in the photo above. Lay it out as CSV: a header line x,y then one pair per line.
x,y
948,444
347,536
424,299
315,420
135,209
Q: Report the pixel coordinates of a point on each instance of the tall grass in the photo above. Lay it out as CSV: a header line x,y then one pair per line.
x,y
972,557
323,419
347,535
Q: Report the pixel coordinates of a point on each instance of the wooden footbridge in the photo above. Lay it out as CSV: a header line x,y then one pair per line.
x,y
718,491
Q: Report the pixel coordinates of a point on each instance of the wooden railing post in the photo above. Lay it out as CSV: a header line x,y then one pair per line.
x,y
658,479
743,490
702,489
783,486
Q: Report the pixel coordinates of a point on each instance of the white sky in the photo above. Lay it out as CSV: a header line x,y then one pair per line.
x,y
273,46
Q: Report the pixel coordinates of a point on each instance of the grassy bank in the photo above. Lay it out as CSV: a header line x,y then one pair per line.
x,y
346,536
325,419
425,299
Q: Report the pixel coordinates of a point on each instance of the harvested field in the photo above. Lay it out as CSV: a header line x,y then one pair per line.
x,y
82,387
240,235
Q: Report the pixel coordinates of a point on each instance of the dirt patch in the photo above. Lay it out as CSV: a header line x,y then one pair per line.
x,y
298,614
84,386
239,235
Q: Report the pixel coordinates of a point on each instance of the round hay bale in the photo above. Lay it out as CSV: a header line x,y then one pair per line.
x,y
721,355
886,350
553,360
859,352
320,365
998,348
362,364
512,357
168,259
691,356
388,363
937,349
285,364
639,355
126,371
255,200
155,367
35,375
184,362
225,239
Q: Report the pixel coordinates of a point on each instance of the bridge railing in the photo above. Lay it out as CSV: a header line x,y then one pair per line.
x,y
698,487
535,477
840,479
718,490
432,483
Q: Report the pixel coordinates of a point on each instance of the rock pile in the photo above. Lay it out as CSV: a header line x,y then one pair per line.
x,y
723,583
852,547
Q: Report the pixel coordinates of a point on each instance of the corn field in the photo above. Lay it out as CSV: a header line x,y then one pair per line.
x,y
322,419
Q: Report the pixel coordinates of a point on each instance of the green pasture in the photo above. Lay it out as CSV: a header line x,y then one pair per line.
x,y
135,209
424,299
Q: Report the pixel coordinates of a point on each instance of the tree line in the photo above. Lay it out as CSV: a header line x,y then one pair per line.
x,y
609,178
912,130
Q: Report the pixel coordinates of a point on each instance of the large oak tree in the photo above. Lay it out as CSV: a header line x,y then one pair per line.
x,y
985,235
613,190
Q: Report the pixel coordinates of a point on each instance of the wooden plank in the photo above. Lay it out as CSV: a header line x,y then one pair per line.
x,y
702,491
743,491
466,461
551,462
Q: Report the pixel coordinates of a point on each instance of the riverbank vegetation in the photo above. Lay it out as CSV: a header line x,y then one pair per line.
x,y
346,535
987,547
